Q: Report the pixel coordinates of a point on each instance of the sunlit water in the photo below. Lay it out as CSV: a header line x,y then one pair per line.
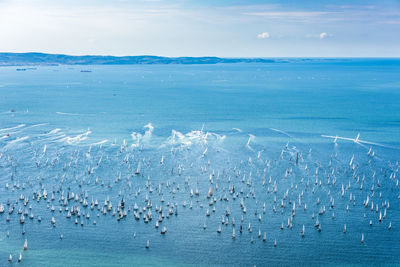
x,y
255,134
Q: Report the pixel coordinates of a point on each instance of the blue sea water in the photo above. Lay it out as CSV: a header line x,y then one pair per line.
x,y
258,128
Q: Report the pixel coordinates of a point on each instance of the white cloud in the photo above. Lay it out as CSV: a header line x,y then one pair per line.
x,y
322,35
263,35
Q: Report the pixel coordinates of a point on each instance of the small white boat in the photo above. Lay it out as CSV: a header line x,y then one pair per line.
x,y
138,169
163,230
26,244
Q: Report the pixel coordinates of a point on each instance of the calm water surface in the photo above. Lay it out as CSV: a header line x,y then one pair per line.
x,y
252,133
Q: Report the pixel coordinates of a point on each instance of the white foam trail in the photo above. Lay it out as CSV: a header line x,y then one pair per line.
x,y
12,128
220,138
53,135
178,138
251,137
54,131
138,137
56,138
17,140
357,141
77,139
66,113
338,137
27,127
99,143
37,125
237,129
280,131
148,133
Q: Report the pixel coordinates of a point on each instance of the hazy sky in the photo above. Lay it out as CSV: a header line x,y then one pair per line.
x,y
234,28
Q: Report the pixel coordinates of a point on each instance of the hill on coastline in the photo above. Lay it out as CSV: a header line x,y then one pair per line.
x,y
32,59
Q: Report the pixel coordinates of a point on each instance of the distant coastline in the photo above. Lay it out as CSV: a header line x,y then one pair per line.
x,y
36,59
43,59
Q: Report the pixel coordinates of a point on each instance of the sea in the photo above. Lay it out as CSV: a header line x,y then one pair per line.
x,y
234,160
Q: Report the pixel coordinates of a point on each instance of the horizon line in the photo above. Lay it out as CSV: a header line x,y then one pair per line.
x,y
208,56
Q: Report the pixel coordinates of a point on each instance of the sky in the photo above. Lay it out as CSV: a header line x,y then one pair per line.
x,y
236,28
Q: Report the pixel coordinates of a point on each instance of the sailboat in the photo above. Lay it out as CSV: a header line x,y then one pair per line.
x,y
163,230
138,169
